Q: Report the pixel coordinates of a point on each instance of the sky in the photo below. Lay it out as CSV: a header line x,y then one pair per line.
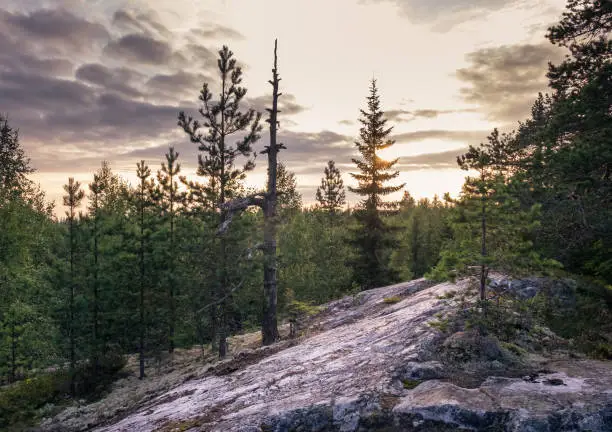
x,y
92,80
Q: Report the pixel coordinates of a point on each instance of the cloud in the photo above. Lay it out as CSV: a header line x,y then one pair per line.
x,y
404,116
109,79
445,14
306,153
139,48
177,85
200,56
52,31
287,104
146,22
463,136
504,81
218,32
447,159
80,92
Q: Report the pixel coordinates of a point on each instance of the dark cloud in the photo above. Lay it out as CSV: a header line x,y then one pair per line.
x,y
445,14
110,79
287,104
52,31
218,32
463,136
306,152
177,85
139,48
505,80
346,122
146,22
200,56
447,159
63,112
73,112
12,60
403,116
399,115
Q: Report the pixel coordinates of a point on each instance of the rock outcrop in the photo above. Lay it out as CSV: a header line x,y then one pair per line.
x,y
361,366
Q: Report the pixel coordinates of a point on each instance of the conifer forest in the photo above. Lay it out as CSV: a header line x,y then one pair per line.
x,y
171,262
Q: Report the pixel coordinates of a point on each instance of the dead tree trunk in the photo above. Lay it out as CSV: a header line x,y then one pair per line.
x,y
269,328
267,201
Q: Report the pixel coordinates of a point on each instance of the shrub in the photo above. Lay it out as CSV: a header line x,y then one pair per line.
x,y
20,401
392,300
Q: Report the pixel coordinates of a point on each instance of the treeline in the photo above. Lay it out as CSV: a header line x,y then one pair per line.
x,y
170,263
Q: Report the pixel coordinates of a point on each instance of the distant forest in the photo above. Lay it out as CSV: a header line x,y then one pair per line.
x,y
169,263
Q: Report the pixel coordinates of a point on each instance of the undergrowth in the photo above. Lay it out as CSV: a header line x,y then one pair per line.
x,y
24,403
577,310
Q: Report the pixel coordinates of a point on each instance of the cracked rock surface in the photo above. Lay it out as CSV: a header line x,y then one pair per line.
x,y
346,375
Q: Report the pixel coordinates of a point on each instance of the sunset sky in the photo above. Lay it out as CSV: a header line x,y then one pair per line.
x,y
87,80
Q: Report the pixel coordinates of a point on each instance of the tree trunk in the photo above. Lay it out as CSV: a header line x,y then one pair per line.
x,y
13,351
269,329
71,328
223,288
171,288
483,251
96,361
142,288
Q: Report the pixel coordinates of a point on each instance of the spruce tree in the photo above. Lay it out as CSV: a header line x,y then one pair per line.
x,y
330,194
222,119
373,238
73,198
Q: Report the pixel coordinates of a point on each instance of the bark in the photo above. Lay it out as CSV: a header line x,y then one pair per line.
x,y
142,288
267,201
172,270
13,351
269,328
483,250
72,338
96,361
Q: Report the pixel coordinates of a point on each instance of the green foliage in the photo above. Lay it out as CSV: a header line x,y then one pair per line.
x,y
392,300
490,230
372,236
423,231
583,315
20,403
330,195
409,384
312,255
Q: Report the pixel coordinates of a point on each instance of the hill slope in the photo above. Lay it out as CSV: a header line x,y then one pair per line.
x,y
363,365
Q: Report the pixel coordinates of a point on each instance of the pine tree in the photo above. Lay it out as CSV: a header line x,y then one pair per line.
x,y
14,165
373,237
289,200
222,119
170,198
490,229
280,194
143,201
330,194
96,189
73,198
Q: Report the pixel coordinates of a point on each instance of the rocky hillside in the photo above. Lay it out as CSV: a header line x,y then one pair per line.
x,y
364,363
